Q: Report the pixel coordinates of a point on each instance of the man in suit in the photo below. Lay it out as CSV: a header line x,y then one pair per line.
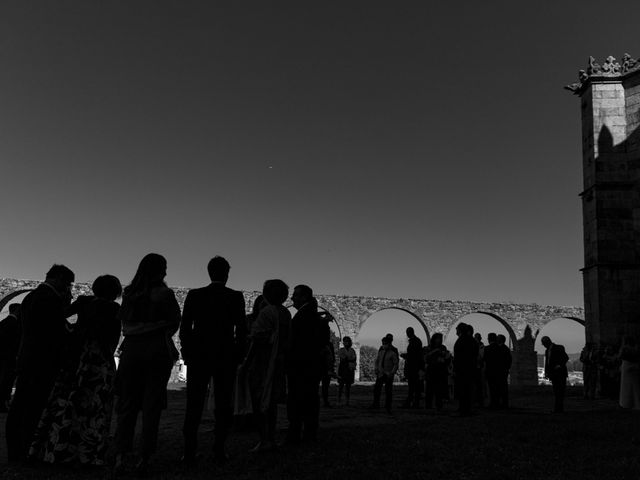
x,y
504,354
493,370
465,364
9,344
555,369
44,339
305,366
212,336
413,363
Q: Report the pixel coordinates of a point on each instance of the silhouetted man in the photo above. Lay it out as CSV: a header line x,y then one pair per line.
x,y
413,363
492,369
44,339
212,336
9,344
305,366
465,364
330,359
555,369
504,353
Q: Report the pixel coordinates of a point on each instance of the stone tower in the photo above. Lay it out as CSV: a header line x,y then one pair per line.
x,y
610,103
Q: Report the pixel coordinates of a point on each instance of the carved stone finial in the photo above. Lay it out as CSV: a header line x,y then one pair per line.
x,y
610,68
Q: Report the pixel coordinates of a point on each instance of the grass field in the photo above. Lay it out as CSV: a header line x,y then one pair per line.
x,y
593,440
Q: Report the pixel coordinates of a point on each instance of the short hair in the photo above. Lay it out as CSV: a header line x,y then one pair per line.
x,y
410,329
470,329
218,268
107,286
389,337
545,338
346,339
275,291
61,272
305,290
492,337
462,327
14,308
502,338
385,340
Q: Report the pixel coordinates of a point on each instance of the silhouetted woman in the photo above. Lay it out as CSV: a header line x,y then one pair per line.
x,y
75,425
346,369
150,315
630,374
270,340
437,359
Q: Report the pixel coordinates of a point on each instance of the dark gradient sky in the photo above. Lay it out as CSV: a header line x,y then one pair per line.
x,y
424,149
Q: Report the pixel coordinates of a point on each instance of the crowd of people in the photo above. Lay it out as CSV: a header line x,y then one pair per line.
x,y
613,373
67,385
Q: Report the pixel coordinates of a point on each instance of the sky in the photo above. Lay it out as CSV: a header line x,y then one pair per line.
x,y
411,150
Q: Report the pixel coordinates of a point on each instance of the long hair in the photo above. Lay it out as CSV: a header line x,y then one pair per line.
x,y
150,274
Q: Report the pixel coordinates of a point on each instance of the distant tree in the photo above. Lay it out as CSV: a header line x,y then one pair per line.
x,y
367,365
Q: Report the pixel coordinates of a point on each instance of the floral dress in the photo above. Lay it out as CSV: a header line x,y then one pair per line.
x,y
74,427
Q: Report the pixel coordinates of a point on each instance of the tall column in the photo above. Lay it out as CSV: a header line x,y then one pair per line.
x,y
610,200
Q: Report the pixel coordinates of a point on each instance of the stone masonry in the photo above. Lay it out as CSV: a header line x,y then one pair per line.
x,y
610,104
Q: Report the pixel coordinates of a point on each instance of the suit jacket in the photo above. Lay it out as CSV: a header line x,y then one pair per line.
x,y
213,330
45,331
555,356
309,336
465,355
9,338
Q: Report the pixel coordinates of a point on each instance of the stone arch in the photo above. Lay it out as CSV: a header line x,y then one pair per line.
x,y
512,334
7,298
402,309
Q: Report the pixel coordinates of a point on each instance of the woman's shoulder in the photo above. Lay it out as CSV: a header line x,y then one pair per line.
x,y
162,293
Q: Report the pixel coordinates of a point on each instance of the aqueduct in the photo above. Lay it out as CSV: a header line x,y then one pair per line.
x,y
351,312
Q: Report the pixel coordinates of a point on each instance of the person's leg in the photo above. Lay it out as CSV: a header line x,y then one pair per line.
x,y
439,391
377,391
154,401
223,413
504,390
341,385
197,382
559,386
294,413
311,415
388,393
494,390
347,393
326,380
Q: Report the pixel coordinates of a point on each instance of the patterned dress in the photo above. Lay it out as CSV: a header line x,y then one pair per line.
x,y
74,427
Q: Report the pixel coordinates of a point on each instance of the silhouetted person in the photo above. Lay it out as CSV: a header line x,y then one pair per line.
x,y
305,366
330,361
265,363
346,369
505,365
437,359
74,427
44,339
9,344
150,315
589,360
555,369
609,369
630,374
413,363
465,366
386,367
212,336
480,389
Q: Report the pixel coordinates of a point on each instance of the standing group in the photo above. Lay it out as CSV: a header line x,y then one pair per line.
x,y
66,374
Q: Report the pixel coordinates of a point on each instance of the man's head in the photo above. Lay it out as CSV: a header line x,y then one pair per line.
x,y
107,287
347,342
302,294
275,292
546,341
14,309
61,278
492,338
218,269
385,341
501,339
461,329
389,337
410,332
478,337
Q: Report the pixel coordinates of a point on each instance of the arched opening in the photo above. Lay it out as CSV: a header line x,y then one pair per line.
x,y
14,297
569,332
483,323
393,320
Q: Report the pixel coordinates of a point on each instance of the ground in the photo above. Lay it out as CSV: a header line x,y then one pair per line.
x,y
593,440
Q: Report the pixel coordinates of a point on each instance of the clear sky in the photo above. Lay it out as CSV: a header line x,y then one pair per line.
x,y
405,149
